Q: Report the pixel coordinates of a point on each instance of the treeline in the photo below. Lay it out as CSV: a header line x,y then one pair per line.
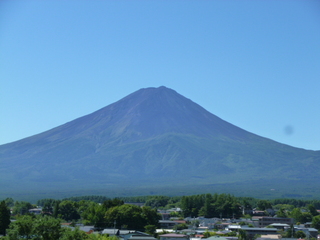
x,y
92,209
296,202
207,205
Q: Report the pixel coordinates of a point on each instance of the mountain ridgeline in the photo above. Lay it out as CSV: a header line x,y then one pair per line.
x,y
152,139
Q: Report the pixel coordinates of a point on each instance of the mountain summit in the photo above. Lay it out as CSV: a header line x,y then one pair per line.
x,y
152,138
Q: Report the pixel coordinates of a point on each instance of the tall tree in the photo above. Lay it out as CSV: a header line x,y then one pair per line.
x,y
316,222
131,216
312,210
4,217
23,228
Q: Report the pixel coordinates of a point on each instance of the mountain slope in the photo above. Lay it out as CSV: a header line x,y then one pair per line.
x,y
152,136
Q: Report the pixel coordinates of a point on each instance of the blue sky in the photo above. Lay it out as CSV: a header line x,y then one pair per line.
x,y
255,64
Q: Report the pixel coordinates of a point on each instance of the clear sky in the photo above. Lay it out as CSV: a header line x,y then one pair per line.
x,y
255,64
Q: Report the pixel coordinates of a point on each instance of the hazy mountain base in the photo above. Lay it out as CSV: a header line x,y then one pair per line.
x,y
262,189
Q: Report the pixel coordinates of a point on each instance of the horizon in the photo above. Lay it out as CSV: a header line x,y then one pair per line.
x,y
255,65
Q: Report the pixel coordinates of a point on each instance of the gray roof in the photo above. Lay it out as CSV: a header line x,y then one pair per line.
x,y
142,237
110,231
259,229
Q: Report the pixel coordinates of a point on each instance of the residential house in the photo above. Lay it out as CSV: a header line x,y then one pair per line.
x,y
111,231
173,236
167,224
35,211
251,232
264,221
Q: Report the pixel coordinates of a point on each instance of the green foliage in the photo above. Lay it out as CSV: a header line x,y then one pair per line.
x,y
312,210
299,216
157,201
73,234
94,214
112,203
9,202
180,226
132,216
22,207
316,222
242,235
92,198
264,204
282,213
289,233
286,207
207,234
31,227
299,234
47,228
4,217
217,205
150,229
68,210
23,227
46,201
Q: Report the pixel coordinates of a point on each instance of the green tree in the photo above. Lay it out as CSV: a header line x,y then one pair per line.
x,y
112,203
180,226
4,217
157,201
132,216
282,213
289,233
296,214
68,210
9,202
56,209
48,228
21,207
74,234
316,222
150,216
150,229
306,217
207,234
312,210
94,214
242,235
299,234
264,204
23,228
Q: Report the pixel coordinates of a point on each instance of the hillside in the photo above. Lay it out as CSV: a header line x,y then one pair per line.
x,y
150,140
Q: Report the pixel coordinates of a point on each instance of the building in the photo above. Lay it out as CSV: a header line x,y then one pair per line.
x,y
173,236
264,221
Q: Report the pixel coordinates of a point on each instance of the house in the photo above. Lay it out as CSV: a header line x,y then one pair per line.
x,y
35,211
309,232
173,236
216,238
111,231
264,221
167,224
233,228
251,232
281,226
141,237
132,234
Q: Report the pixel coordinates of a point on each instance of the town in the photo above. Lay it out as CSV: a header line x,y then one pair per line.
x,y
205,216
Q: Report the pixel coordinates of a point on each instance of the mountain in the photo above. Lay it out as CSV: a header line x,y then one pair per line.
x,y
150,141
